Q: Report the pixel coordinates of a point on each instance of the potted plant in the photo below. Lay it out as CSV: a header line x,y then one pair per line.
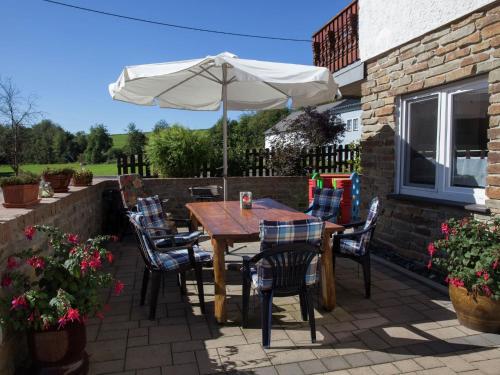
x,y
82,177
51,295
59,178
470,255
20,191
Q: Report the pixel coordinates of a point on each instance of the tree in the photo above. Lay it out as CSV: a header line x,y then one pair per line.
x,y
160,125
17,112
136,140
177,151
308,130
98,143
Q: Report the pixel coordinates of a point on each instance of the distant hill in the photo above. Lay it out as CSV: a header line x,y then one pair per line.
x,y
119,140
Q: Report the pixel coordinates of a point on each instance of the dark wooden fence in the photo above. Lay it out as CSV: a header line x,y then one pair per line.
x,y
257,162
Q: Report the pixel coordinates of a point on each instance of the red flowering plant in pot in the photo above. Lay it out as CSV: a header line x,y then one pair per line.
x,y
50,295
469,253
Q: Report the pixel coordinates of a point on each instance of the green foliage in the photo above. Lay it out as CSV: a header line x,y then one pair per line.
x,y
56,171
67,284
83,176
24,178
99,142
160,125
470,254
136,140
176,151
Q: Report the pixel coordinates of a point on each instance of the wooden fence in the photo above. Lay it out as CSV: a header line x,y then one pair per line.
x,y
257,162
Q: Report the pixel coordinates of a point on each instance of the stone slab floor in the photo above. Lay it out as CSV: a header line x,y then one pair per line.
x,y
405,328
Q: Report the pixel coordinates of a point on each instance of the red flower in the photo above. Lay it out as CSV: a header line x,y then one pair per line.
x,y
118,287
445,229
6,281
29,232
109,256
72,250
456,282
12,263
431,249
95,263
36,262
495,264
429,264
19,303
73,238
73,314
486,276
487,291
479,273
84,265
62,321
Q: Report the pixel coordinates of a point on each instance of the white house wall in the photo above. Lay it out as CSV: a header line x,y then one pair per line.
x,y
385,24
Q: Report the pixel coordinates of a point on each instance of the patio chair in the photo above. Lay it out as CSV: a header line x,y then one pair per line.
x,y
164,253
356,245
326,204
286,265
131,188
205,193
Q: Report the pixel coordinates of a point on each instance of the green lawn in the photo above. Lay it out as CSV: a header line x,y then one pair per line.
x,y
97,169
120,140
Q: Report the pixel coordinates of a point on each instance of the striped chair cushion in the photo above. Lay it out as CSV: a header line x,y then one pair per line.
x,y
151,209
273,233
174,259
326,202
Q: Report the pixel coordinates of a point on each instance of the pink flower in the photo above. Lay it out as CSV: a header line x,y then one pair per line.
x,y
84,265
119,287
6,281
431,249
487,291
456,282
72,251
19,303
486,276
36,262
445,229
429,264
29,232
12,263
109,256
95,263
73,314
479,273
73,238
63,320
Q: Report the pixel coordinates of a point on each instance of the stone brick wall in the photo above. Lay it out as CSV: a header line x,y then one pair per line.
x,y
465,48
80,211
291,191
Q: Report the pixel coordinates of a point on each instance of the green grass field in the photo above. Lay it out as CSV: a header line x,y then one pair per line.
x,y
97,169
120,140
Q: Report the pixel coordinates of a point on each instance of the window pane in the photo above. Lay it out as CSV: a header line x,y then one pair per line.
x,y
355,124
348,127
422,136
470,139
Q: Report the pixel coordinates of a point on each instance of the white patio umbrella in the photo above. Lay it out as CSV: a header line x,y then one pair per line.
x,y
239,84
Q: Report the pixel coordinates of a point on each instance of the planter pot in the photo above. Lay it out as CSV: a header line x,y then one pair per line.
x,y
59,352
59,182
82,182
479,313
20,196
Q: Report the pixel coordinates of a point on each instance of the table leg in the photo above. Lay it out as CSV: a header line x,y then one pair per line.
x,y
327,274
219,279
193,222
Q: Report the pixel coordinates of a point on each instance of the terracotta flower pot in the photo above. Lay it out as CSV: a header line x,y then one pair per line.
x,y
20,196
59,351
59,182
479,313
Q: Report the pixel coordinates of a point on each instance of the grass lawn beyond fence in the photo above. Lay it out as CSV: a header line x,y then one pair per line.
x,y
97,169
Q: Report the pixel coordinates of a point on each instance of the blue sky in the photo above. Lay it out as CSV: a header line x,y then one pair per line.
x,y
67,58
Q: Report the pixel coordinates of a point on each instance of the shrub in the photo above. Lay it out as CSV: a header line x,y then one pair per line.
x,y
83,176
470,254
56,171
25,178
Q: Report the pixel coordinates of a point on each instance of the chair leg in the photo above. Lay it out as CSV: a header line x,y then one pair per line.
x,y
267,313
367,275
182,283
310,307
155,290
144,287
199,281
303,306
245,302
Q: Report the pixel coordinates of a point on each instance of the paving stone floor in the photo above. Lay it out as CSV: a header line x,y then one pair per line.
x,y
405,328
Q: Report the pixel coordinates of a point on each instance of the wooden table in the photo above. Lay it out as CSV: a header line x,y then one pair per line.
x,y
226,224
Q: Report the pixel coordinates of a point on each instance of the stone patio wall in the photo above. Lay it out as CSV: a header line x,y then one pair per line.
x,y
466,48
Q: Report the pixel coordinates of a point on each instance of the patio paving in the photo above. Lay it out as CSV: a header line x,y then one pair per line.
x,y
405,328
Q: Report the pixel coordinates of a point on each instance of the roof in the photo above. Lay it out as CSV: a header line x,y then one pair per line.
x,y
337,107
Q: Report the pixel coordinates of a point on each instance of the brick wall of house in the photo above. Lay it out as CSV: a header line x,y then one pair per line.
x,y
463,49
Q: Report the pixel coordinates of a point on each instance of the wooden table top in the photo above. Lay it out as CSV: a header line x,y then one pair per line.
x,y
228,221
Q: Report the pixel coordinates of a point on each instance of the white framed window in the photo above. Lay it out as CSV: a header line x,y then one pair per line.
x,y
442,150
348,127
355,125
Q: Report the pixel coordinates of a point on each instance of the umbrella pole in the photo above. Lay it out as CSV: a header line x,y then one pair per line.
x,y
224,127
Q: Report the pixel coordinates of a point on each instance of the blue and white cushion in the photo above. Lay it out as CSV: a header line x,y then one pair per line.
x,y
154,216
326,203
274,233
171,260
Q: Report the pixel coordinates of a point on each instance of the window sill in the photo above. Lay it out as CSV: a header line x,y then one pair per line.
x,y
472,207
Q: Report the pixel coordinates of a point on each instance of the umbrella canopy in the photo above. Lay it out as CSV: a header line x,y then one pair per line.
x,y
236,84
